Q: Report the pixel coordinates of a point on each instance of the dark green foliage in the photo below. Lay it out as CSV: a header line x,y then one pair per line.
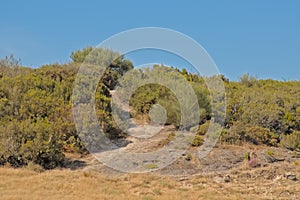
x,y
258,111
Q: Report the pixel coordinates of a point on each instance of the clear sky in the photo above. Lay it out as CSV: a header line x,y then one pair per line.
x,y
259,37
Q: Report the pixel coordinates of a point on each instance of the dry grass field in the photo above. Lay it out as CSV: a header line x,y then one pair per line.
x,y
86,179
25,184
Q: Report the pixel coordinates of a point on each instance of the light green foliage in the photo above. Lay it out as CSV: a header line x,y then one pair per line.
x,y
198,141
291,141
10,62
247,80
270,153
151,166
80,55
269,104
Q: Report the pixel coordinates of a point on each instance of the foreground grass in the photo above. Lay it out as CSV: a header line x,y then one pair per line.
x,y
24,184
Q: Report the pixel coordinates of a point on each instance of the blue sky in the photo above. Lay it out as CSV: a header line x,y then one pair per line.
x,y
259,37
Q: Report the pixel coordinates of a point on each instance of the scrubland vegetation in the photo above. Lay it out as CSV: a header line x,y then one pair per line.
x,y
37,133
36,122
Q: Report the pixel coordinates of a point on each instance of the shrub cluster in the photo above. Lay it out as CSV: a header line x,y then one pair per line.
x,y
37,127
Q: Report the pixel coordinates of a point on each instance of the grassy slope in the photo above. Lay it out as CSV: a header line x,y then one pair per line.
x,y
66,184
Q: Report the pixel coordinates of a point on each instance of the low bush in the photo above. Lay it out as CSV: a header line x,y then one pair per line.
x,y
235,135
198,141
291,141
242,133
261,135
202,130
30,142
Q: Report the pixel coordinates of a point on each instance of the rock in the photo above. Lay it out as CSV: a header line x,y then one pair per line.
x,y
188,159
218,179
280,159
291,176
272,159
278,178
183,178
227,179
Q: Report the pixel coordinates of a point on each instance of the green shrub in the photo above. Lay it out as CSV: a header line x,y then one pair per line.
x,y
202,130
189,156
247,156
168,139
151,166
291,141
261,135
34,167
270,153
26,142
235,135
198,141
243,133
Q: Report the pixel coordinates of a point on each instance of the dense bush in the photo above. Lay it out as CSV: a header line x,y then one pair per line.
x,y
36,122
197,141
235,135
202,130
261,135
22,142
37,126
148,95
240,133
291,141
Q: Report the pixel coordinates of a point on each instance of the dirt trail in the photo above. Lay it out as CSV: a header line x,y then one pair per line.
x,y
223,159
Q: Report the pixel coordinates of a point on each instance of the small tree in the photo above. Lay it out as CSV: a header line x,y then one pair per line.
x,y
247,80
114,63
10,61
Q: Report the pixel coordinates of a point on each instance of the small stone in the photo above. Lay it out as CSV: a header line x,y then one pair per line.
x,y
227,179
291,176
183,178
278,178
218,179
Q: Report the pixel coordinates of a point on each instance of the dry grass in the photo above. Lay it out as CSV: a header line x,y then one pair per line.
x,y
24,184
246,183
